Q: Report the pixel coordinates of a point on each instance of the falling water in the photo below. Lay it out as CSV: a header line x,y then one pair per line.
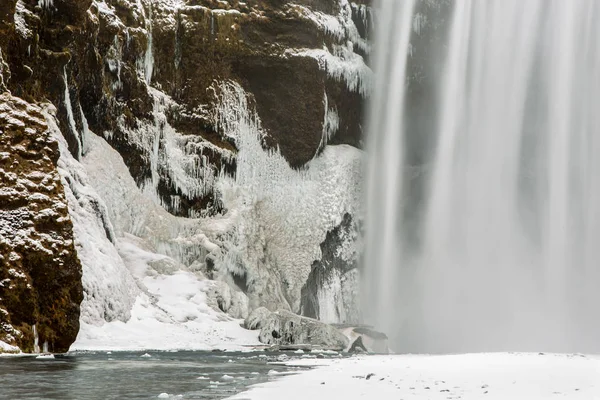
x,y
505,249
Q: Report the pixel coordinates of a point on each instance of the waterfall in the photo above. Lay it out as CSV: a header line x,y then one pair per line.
x,y
489,241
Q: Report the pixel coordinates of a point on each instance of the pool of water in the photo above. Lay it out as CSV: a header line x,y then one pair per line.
x,y
138,375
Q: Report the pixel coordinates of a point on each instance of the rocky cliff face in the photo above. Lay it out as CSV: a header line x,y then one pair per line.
x,y
221,134
40,273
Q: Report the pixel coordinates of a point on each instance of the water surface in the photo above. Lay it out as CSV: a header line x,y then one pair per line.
x,y
137,375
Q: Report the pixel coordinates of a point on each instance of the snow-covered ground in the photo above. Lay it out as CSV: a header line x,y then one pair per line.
x,y
495,376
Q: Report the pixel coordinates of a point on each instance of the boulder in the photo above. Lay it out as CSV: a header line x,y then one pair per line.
x,y
366,339
285,328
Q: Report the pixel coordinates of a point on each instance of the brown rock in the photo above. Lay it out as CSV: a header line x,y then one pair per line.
x,y
40,274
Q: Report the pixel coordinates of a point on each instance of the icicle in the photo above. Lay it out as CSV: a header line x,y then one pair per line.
x,y
46,4
85,132
36,340
331,124
70,117
149,57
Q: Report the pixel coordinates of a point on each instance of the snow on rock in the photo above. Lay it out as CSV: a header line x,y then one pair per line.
x,y
137,296
339,59
497,376
341,64
7,348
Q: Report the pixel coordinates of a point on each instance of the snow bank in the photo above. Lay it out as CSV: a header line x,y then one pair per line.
x,y
497,376
7,348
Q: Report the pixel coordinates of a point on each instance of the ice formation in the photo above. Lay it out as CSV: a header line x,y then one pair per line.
x,y
339,60
178,156
284,214
109,289
70,117
331,123
136,296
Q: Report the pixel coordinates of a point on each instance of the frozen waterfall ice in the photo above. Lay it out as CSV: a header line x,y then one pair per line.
x,y
486,237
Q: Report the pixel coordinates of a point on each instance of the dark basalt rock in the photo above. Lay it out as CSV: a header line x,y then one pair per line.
x,y
358,346
332,266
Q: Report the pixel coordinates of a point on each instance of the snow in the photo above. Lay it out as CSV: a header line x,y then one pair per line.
x,y
341,27
172,311
20,23
493,376
7,348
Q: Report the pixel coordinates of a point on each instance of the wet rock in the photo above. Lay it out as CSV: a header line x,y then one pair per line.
x,y
357,346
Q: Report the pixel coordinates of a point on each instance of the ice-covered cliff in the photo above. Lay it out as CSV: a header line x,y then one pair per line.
x,y
210,159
